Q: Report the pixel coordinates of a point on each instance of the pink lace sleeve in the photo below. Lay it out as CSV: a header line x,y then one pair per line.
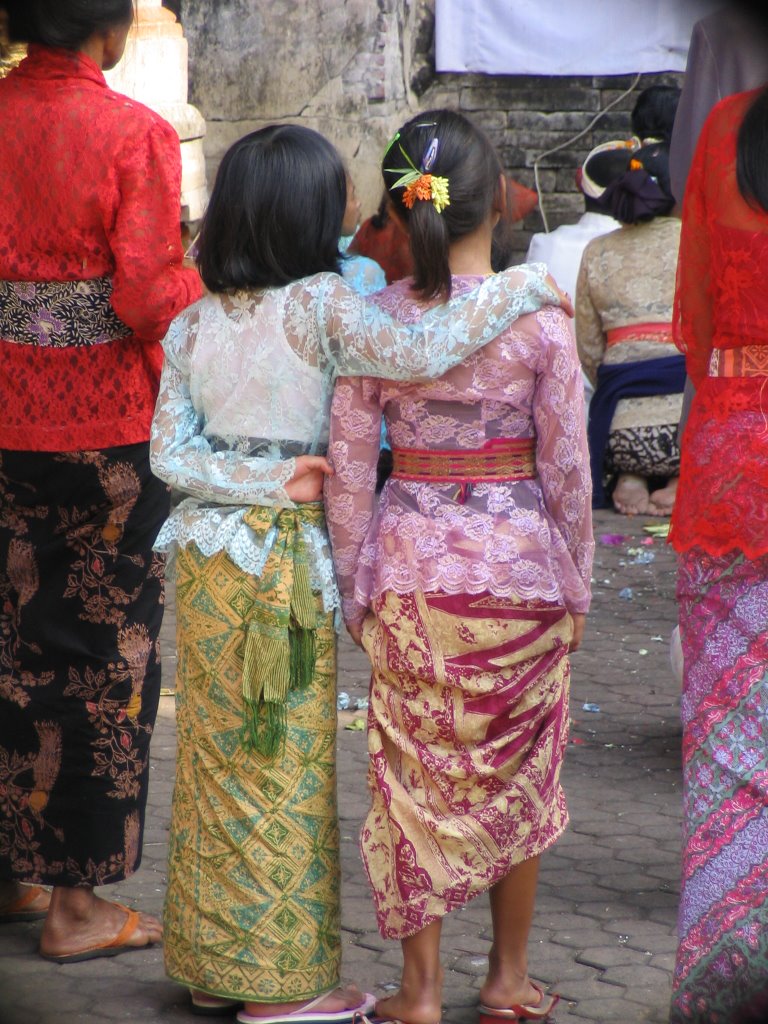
x,y
350,494
562,456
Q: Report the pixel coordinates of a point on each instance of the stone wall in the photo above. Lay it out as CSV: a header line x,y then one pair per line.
x,y
355,69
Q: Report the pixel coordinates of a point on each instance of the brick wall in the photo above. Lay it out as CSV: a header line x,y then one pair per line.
x,y
527,115
356,71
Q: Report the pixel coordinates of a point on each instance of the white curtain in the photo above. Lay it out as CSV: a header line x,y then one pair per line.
x,y
564,37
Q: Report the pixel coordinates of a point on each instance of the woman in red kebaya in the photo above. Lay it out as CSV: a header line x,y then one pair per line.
x,y
720,530
90,278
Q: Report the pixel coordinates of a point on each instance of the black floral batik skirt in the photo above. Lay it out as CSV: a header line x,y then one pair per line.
x,y
81,595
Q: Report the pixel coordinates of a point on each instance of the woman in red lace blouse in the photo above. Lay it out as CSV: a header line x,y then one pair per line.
x,y
720,529
90,278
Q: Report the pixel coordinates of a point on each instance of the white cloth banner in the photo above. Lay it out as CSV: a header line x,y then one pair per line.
x,y
564,37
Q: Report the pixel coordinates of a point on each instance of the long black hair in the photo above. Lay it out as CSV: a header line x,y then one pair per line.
x,y
752,153
275,211
654,112
466,157
64,23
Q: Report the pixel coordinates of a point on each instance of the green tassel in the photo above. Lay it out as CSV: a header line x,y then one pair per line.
x,y
303,607
265,727
303,657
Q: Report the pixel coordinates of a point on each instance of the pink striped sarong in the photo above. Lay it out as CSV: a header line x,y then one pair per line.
x,y
467,724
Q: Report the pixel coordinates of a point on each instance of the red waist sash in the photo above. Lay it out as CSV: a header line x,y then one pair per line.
x,y
658,332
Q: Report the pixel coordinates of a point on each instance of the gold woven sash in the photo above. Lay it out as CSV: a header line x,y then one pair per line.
x,y
279,652
499,459
747,361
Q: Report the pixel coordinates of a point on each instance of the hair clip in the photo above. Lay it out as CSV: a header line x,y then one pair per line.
x,y
430,155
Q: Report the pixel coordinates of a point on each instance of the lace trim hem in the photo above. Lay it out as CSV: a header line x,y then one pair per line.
x,y
214,530
512,586
717,549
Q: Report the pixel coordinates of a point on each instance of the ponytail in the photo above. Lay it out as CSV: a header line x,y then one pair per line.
x,y
442,175
430,243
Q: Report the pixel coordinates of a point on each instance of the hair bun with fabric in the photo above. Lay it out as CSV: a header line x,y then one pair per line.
x,y
643,191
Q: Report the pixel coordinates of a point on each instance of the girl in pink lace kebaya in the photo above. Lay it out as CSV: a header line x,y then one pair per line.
x,y
467,587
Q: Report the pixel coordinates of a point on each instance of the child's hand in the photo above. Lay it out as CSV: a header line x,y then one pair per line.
x,y
355,630
566,302
578,631
306,484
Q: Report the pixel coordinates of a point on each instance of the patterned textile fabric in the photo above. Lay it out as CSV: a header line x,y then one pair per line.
x,y
527,538
252,907
262,364
627,281
80,612
721,302
467,725
647,451
94,196
57,314
721,972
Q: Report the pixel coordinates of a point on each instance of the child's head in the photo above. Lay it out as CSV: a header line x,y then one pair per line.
x,y
275,211
446,145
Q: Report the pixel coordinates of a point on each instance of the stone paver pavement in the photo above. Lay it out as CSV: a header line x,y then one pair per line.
x,y
603,935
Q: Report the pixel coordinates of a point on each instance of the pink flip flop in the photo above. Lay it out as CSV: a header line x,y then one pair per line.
x,y
307,1014
520,1011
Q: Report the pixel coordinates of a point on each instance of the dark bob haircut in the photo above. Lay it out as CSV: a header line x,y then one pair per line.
x,y
275,212
64,23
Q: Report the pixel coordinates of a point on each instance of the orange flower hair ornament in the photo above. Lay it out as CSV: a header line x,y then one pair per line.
x,y
419,184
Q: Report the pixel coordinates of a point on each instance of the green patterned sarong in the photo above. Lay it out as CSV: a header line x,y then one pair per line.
x,y
252,909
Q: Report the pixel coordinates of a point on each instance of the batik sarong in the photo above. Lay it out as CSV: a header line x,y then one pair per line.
x,y
721,972
468,724
252,908
80,612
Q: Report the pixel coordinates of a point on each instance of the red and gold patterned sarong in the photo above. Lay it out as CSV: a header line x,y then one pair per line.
x,y
467,729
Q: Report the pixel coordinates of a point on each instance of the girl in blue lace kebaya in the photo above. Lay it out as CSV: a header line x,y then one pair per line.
x,y
241,427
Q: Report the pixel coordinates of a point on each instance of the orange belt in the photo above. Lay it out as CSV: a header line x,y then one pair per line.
x,y
747,361
499,459
659,332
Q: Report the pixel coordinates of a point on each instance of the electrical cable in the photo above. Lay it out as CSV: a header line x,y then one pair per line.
x,y
575,138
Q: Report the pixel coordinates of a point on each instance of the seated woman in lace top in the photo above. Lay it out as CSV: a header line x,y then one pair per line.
x,y
625,292
241,426
467,586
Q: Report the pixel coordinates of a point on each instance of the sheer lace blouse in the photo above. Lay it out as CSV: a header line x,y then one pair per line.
x,y
528,538
721,302
247,385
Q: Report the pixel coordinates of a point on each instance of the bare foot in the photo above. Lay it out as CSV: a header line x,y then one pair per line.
x,y
630,496
346,997
501,993
19,901
662,501
204,1001
420,1004
79,920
